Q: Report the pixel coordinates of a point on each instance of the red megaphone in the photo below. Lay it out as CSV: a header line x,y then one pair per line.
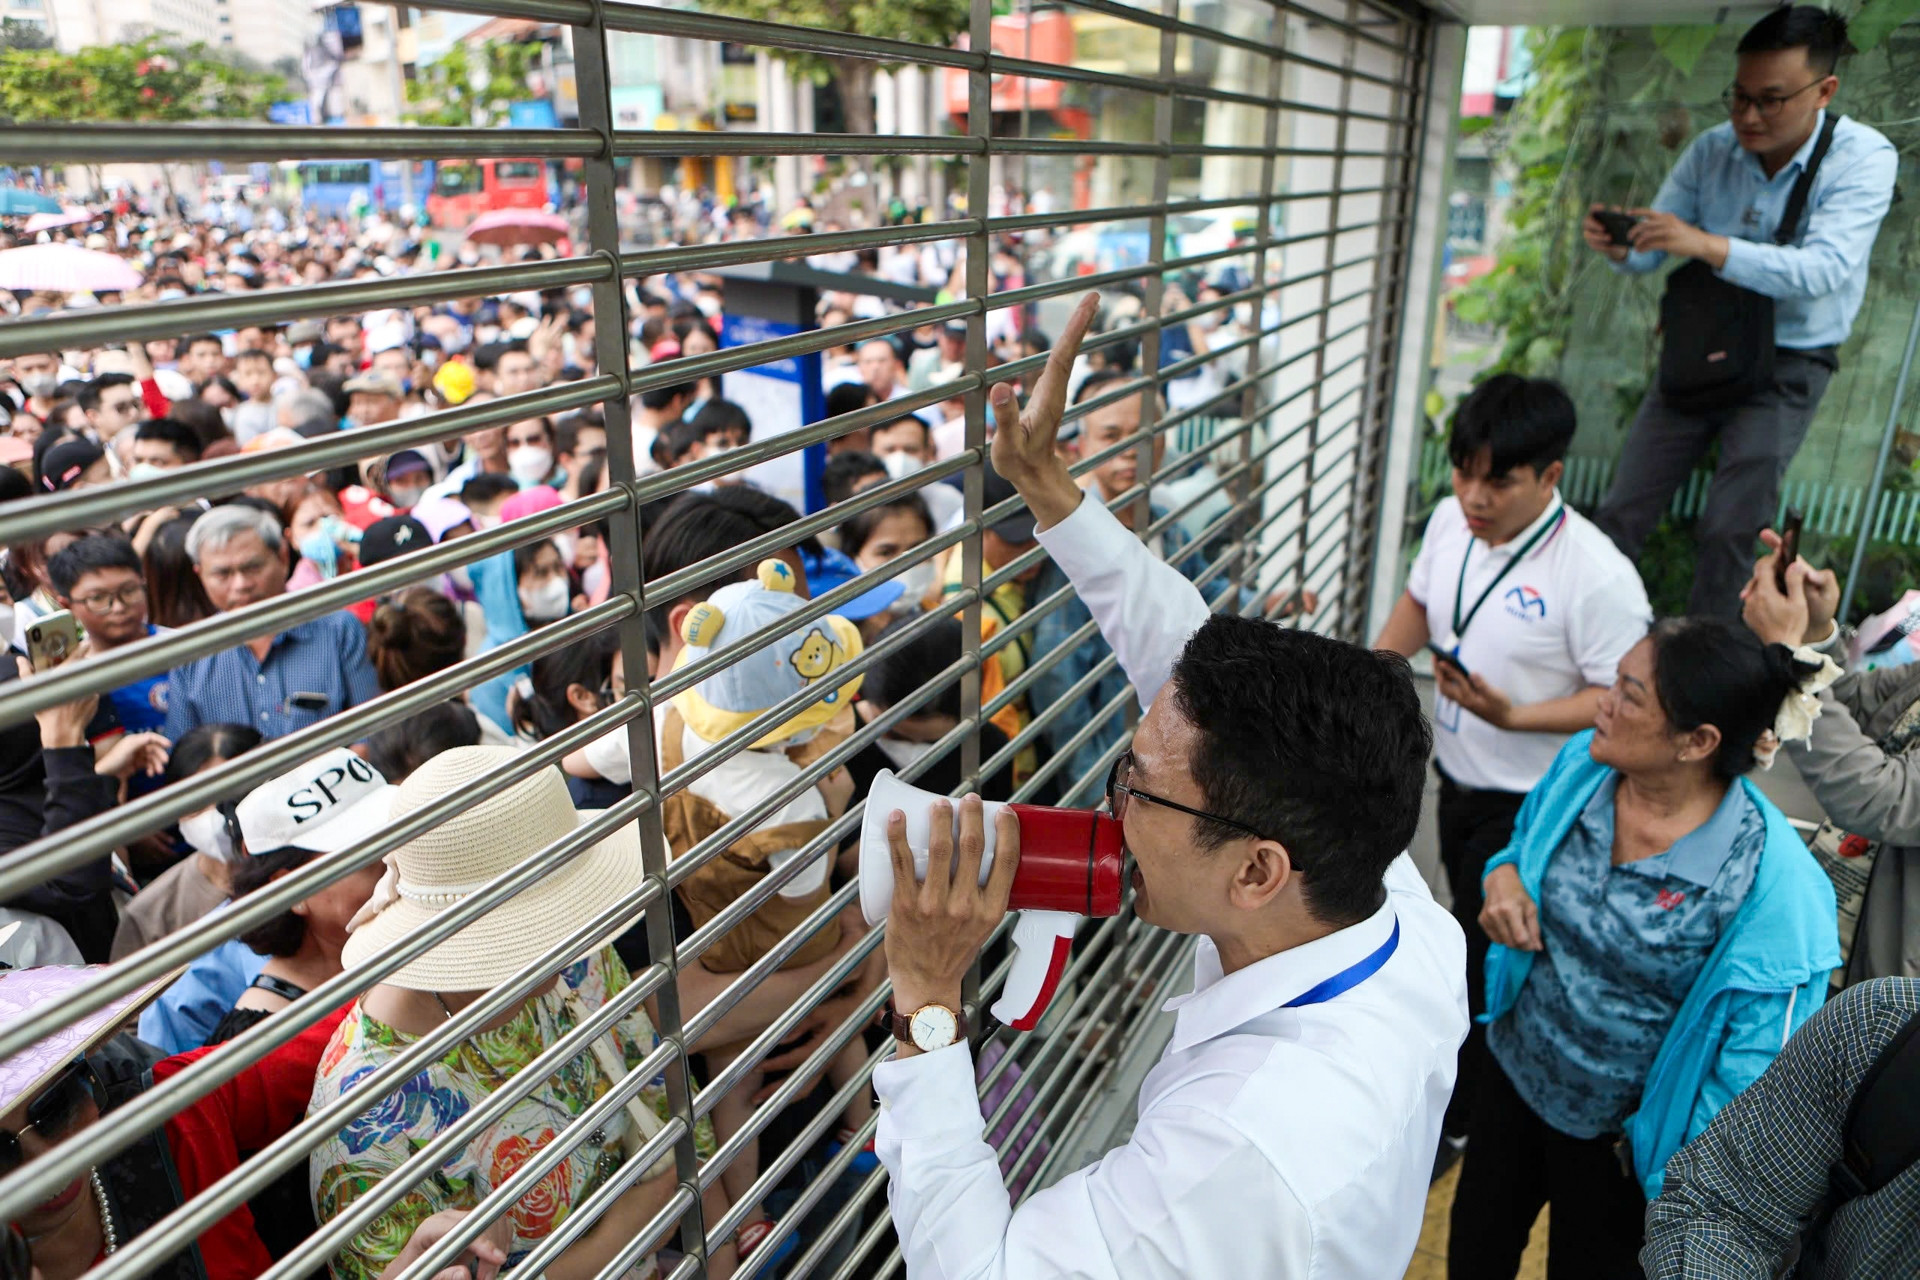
x,y
1071,867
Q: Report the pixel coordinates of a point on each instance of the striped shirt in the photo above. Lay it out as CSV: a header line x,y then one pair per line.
x,y
312,671
1737,1198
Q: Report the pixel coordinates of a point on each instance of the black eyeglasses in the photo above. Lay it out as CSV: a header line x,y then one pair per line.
x,y
55,1111
1118,792
1737,100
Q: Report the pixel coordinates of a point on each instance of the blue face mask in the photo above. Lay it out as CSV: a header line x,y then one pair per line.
x,y
320,548
303,356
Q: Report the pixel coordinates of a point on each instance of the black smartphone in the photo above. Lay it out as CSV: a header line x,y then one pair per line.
x,y
1789,546
1448,657
1618,224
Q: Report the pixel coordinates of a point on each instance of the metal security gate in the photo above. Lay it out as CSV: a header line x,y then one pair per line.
x,y
1304,116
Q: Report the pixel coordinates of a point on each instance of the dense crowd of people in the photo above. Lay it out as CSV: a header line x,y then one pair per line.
x,y
98,418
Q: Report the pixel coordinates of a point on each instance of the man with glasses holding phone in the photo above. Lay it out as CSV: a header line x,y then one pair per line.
x,y
1774,211
98,578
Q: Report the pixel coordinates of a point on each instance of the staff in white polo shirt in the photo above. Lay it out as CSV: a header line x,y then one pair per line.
x,y
1528,608
1273,782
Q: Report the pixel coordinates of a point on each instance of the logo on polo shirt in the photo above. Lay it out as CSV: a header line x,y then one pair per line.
x,y
1526,603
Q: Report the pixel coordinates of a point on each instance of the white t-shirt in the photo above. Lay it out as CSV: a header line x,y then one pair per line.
x,y
1556,623
733,786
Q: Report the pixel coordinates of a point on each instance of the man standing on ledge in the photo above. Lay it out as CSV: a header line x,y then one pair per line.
x,y
1273,783
1722,206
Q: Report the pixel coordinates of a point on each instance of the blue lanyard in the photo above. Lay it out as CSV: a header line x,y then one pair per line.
x,y
1352,976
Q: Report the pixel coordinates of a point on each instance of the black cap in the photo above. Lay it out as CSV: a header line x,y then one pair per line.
x,y
392,537
1017,528
67,461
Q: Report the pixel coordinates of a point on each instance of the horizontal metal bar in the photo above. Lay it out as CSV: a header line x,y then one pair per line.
x,y
734,253
30,519
68,143
619,15
719,142
98,326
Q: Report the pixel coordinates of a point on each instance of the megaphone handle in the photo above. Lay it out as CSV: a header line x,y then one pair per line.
x,y
1042,941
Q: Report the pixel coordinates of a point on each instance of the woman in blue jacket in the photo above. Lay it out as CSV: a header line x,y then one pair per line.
x,y
1660,930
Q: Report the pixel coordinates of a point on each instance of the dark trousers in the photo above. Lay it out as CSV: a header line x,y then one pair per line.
x,y
1474,825
1757,441
1515,1163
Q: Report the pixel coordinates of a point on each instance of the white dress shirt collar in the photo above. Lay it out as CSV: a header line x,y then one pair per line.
x,y
1221,1002
1555,505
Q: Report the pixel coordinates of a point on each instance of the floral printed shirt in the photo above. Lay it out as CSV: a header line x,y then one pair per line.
x,y
349,1163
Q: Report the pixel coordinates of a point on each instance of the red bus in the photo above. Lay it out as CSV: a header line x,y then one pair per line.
x,y
465,189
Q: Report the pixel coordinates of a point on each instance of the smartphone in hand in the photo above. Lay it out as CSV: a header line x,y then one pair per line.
x,y
52,639
1618,225
1789,546
1449,657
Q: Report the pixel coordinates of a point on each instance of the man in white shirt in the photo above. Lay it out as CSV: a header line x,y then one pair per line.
x,y
1286,1131
1521,591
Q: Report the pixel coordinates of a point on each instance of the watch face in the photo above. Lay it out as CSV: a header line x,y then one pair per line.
x,y
934,1027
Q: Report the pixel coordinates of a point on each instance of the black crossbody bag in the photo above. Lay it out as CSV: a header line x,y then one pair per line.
x,y
1717,338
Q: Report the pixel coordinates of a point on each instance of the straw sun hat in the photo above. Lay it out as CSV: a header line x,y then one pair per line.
x,y
459,857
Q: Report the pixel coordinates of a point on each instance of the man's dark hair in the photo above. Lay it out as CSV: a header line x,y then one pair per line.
x,y
487,486
1523,422
90,392
87,555
699,526
1091,385
188,344
253,353
184,439
681,436
487,355
1821,32
566,430
844,472
848,397
400,748
909,420
201,418
718,416
1313,742
658,399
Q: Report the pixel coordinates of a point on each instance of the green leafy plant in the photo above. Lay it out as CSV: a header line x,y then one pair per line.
x,y
472,85
146,80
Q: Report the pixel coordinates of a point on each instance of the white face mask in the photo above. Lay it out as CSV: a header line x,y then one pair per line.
x,y
567,543
530,464
207,832
900,464
547,600
920,582
6,621
144,471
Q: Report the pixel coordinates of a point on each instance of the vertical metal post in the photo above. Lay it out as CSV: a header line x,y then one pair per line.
x,y
1879,468
1155,290
1388,318
1316,400
1248,561
598,182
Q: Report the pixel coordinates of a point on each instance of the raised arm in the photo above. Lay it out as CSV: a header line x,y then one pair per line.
x,y
1146,607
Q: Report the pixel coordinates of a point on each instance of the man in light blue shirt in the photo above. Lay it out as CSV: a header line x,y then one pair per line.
x,y
1722,204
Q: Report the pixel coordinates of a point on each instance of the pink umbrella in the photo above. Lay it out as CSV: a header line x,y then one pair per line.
x,y
69,216
64,267
517,226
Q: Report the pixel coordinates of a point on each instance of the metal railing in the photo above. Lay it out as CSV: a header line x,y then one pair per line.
x,y
1274,483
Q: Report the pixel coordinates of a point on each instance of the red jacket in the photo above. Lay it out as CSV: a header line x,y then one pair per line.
x,y
210,1138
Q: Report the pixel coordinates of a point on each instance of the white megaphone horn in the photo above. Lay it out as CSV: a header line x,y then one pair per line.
x,y
1071,867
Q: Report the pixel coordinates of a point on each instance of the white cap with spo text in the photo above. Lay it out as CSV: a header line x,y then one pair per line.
x,y
326,804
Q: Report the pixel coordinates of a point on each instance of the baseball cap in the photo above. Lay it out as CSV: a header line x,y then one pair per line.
x,y
392,536
833,568
380,384
325,805
454,381
735,694
955,329
301,332
994,489
67,461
